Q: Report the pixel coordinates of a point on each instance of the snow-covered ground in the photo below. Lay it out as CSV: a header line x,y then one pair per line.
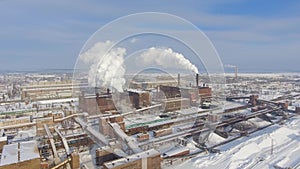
x,y
273,147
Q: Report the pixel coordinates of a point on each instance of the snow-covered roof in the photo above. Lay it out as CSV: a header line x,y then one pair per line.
x,y
3,138
57,101
136,91
134,157
27,151
9,154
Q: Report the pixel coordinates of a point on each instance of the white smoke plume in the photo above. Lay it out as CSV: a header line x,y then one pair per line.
x,y
106,69
167,58
96,52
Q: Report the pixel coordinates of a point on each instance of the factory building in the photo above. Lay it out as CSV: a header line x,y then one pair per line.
x,y
177,152
105,154
22,155
40,122
191,94
175,104
297,110
143,137
173,97
3,142
170,91
139,98
49,90
186,92
145,160
96,104
184,97
196,95
205,92
152,85
253,100
106,129
15,121
102,103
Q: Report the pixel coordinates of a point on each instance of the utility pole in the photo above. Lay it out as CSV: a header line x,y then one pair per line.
x,y
272,146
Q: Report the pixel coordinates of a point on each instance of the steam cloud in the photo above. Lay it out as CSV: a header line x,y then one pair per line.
x,y
106,69
167,58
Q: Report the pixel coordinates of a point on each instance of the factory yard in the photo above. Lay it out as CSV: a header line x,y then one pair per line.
x,y
163,124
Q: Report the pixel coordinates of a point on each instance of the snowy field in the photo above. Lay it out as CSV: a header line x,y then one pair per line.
x,y
277,146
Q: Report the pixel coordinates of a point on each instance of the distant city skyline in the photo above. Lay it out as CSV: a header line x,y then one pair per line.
x,y
257,36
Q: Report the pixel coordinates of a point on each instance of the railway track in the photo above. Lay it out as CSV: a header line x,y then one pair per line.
x,y
205,149
194,131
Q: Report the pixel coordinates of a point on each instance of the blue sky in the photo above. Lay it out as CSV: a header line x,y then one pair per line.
x,y
255,35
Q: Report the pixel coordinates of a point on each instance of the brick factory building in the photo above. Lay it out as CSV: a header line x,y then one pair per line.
x,y
22,155
49,90
96,104
105,102
149,159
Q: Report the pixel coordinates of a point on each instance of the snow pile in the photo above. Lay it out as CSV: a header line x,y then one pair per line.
x,y
214,139
258,122
291,160
294,124
245,154
259,147
282,134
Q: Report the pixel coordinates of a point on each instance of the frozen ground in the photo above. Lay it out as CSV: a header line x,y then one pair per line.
x,y
256,150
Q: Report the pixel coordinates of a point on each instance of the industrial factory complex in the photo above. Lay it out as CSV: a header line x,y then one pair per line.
x,y
51,121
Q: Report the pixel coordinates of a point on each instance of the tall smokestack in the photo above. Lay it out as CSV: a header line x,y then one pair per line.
x,y
178,80
236,72
197,80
